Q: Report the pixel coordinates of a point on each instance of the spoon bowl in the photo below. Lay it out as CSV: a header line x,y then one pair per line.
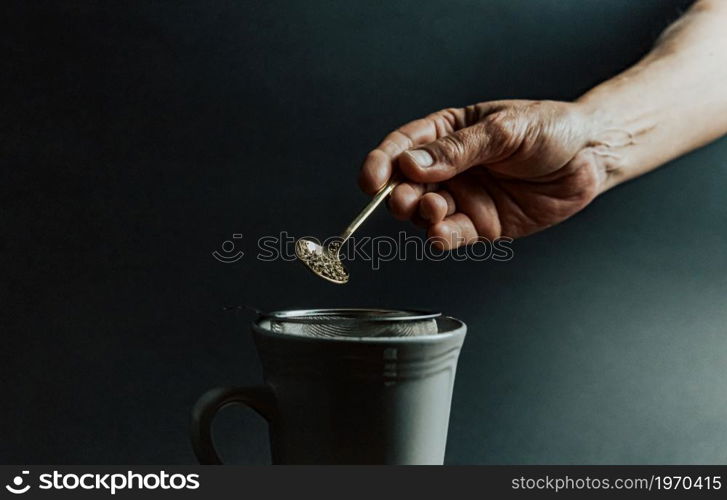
x,y
323,261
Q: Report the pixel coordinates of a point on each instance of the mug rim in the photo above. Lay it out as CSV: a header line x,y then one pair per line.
x,y
460,328
302,315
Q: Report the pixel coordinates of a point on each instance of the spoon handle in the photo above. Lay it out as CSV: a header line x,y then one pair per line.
x,y
368,209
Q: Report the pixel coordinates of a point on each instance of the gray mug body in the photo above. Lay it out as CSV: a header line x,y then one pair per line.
x,y
347,400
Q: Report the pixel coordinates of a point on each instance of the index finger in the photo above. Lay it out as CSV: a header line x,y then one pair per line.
x,y
378,165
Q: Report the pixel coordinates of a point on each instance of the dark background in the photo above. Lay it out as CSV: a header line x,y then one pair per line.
x,y
138,136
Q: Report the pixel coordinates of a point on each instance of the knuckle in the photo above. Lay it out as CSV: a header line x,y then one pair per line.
x,y
373,157
402,140
499,125
447,120
439,122
504,131
450,116
390,145
450,149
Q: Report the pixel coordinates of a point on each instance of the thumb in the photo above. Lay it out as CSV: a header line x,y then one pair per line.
x,y
449,155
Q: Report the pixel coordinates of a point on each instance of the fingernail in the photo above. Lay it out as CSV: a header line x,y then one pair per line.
x,y
422,157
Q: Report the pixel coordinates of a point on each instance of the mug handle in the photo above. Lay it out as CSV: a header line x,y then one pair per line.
x,y
260,398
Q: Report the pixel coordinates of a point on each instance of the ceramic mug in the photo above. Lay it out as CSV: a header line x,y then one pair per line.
x,y
346,399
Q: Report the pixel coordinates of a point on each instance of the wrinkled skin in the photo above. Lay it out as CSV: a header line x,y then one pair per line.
x,y
503,168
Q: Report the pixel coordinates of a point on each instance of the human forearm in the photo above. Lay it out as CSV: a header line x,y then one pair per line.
x,y
670,102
